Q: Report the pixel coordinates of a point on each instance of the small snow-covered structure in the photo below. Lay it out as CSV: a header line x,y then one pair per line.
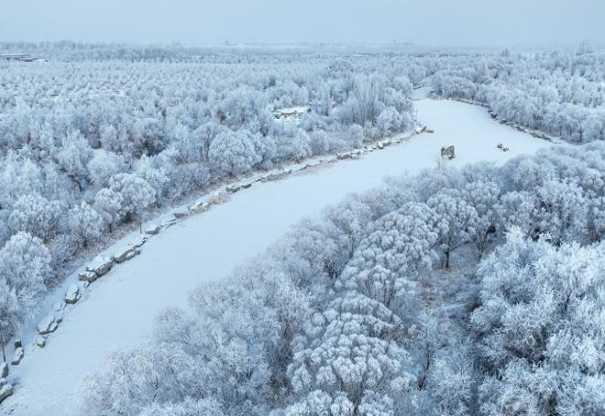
x,y
18,356
291,113
47,325
73,294
448,151
6,389
100,265
125,253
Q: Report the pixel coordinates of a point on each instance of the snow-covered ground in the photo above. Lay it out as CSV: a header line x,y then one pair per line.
x,y
118,310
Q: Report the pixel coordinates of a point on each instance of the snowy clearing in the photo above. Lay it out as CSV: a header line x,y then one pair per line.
x,y
118,310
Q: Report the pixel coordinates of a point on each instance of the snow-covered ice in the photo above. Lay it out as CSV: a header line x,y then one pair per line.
x,y
118,310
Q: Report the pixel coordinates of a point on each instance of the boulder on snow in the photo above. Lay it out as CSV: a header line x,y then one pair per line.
x,y
233,188
39,341
100,266
125,253
152,229
47,325
3,370
448,151
5,391
343,156
199,206
18,356
87,276
179,214
169,222
18,343
73,294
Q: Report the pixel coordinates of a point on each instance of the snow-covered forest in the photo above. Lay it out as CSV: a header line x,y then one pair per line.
x,y
560,93
477,291
88,146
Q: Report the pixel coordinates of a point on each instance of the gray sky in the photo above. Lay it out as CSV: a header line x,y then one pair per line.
x,y
202,22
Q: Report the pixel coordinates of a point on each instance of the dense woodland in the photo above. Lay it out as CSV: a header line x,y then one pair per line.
x,y
88,146
558,93
477,291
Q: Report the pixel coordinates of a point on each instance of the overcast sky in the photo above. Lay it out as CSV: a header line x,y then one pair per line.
x,y
203,22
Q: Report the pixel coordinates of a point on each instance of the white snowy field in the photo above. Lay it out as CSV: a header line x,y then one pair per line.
x,y
118,310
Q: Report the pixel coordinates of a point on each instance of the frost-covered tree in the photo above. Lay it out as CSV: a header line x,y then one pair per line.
x,y
391,121
74,157
108,205
356,136
596,219
36,215
25,268
561,211
85,223
11,314
386,263
517,209
541,326
233,153
103,165
136,195
484,197
346,362
457,221
189,407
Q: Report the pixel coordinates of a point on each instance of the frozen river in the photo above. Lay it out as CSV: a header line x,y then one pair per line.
x,y
119,309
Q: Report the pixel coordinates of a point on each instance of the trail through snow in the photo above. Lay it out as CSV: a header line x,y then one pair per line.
x,y
118,310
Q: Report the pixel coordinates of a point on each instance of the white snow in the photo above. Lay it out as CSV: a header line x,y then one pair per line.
x,y
118,310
